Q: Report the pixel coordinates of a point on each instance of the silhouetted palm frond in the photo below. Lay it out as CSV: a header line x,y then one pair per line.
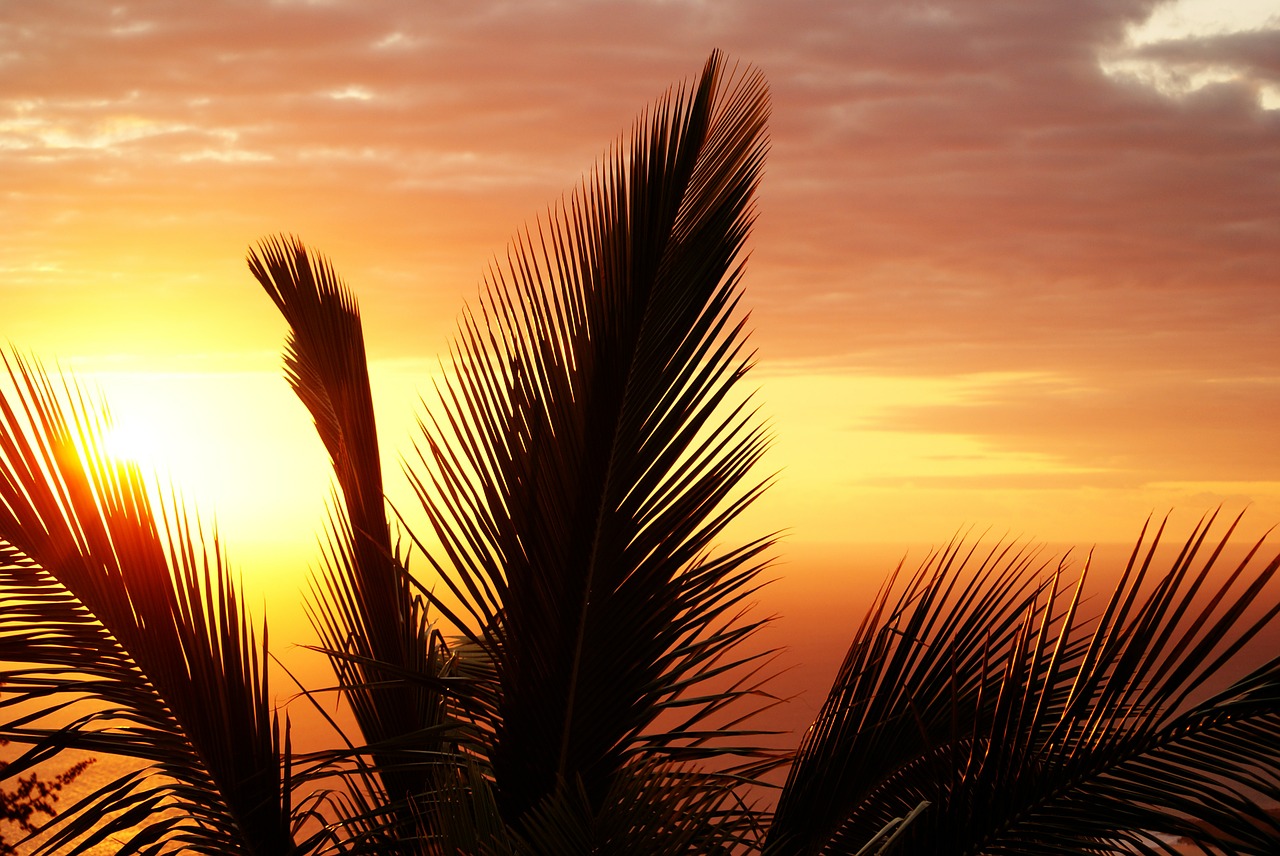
x,y
389,661
130,640
590,449
1033,729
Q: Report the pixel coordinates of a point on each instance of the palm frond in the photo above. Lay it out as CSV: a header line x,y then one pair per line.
x,y
388,659
128,638
591,448
664,809
1033,729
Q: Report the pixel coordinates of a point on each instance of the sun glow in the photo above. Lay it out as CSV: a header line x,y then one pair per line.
x,y
145,441
235,447
162,423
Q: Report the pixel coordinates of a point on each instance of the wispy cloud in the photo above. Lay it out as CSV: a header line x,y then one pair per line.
x,y
1133,427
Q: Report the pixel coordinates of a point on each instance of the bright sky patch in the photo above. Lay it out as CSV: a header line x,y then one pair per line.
x,y
1145,58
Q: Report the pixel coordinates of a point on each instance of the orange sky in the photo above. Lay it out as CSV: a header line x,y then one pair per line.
x,y
1017,264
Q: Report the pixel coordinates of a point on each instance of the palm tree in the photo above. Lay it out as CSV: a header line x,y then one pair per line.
x,y
589,681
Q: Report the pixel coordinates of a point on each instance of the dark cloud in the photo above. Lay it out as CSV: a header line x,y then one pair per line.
x,y
1254,52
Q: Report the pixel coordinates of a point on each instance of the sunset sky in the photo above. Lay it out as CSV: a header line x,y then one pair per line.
x,y
1017,265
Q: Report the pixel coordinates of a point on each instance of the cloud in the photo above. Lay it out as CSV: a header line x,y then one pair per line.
x,y
1187,45
1020,481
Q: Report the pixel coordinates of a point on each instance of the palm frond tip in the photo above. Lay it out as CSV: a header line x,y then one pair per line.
x,y
588,450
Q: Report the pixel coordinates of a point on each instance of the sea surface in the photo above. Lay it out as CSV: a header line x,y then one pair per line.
x,y
101,772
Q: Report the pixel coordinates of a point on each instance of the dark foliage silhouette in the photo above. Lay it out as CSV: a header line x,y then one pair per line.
x,y
564,658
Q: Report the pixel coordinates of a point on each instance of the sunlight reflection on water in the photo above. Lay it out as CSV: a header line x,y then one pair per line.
x,y
103,771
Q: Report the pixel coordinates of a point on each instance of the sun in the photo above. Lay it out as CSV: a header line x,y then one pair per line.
x,y
181,430
154,432
138,443
224,444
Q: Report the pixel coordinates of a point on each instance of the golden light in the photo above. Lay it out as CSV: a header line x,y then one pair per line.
x,y
145,441
234,447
